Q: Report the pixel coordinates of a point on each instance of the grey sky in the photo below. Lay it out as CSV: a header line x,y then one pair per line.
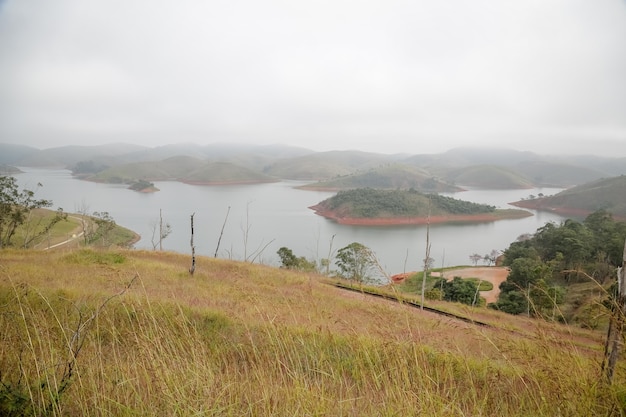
x,y
376,75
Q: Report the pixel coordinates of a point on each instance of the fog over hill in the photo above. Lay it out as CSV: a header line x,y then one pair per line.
x,y
509,168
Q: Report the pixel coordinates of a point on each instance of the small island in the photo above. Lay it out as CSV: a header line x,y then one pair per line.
x,y
143,186
373,207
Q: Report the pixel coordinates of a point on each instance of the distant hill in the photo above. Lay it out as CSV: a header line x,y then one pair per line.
x,y
67,156
388,176
181,168
608,194
288,162
255,157
12,154
467,156
168,169
225,173
488,176
534,169
558,174
8,170
326,165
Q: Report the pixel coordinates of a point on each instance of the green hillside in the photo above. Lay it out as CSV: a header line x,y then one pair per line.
x,y
325,165
180,168
68,156
388,176
225,173
121,333
167,169
558,174
488,176
605,194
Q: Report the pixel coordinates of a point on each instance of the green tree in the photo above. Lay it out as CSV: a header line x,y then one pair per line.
x,y
15,206
355,262
287,259
512,302
519,249
290,261
544,299
458,290
104,226
525,271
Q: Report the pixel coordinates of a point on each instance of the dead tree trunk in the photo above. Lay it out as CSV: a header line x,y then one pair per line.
x,y
192,269
615,333
221,233
160,229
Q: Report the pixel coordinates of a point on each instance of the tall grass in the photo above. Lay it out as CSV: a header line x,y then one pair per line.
x,y
237,340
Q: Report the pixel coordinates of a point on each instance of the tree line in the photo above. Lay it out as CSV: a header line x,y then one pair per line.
x,y
543,264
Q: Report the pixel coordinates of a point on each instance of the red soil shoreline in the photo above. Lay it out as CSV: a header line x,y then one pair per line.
x,y
400,221
539,205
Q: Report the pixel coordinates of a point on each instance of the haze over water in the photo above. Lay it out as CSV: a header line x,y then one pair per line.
x,y
269,216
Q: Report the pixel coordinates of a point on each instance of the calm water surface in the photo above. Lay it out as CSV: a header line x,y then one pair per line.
x,y
264,217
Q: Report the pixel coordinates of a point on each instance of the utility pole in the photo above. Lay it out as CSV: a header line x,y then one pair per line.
x,y
427,258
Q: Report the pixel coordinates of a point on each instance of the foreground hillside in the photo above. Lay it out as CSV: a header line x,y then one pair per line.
x,y
132,333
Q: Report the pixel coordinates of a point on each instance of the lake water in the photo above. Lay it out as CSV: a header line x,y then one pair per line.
x,y
264,217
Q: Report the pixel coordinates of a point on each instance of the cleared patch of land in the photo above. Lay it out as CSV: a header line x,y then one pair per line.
x,y
493,274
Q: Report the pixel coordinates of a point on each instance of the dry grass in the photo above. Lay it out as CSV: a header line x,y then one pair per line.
x,y
239,339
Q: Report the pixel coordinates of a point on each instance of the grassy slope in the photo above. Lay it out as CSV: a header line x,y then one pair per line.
x,y
225,172
390,176
325,165
241,339
167,169
68,230
608,194
559,174
183,168
489,176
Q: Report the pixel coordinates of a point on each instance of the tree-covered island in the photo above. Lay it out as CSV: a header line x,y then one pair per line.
x,y
372,207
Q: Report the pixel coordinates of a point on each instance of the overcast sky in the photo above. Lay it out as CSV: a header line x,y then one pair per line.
x,y
388,76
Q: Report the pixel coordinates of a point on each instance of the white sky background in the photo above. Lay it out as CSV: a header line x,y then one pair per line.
x,y
387,76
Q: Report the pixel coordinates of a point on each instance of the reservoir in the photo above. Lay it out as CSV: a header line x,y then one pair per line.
x,y
259,219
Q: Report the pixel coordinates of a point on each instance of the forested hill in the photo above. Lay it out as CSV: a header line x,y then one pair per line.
x,y
371,203
387,176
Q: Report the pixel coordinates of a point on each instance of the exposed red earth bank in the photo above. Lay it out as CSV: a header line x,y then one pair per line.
x,y
538,204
